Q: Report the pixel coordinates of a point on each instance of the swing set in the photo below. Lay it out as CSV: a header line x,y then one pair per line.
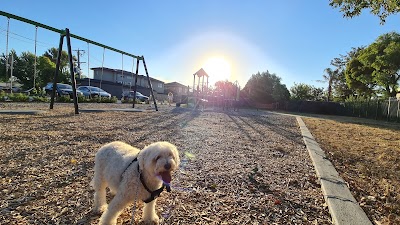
x,y
67,35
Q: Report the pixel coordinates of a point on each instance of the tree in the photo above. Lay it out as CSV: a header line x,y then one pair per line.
x,y
225,88
359,78
266,88
341,90
24,69
3,75
330,77
52,54
46,69
381,8
16,64
384,57
306,92
378,65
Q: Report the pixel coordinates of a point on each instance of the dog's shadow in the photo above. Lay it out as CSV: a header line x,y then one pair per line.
x,y
91,217
88,218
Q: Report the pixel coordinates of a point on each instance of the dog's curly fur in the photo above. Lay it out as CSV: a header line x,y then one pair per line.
x,y
114,169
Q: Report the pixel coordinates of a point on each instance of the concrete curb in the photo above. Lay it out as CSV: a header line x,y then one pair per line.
x,y
344,209
22,112
111,110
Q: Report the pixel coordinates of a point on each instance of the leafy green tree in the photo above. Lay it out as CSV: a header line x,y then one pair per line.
x,y
46,69
3,75
280,93
306,92
384,57
341,90
378,64
52,54
225,88
15,65
24,69
359,78
266,88
301,92
381,8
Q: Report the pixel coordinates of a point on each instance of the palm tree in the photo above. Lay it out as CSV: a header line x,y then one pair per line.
x,y
330,77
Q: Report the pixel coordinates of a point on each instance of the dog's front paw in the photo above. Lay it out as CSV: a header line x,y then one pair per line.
x,y
99,209
153,221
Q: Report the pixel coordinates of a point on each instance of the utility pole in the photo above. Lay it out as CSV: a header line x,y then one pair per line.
x,y
79,61
11,76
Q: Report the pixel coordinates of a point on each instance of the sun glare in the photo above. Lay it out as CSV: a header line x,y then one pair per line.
x,y
217,68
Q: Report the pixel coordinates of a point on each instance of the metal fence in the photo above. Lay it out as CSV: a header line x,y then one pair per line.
x,y
378,109
388,110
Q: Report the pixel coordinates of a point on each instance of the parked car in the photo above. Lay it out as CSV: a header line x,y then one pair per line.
x,y
92,91
62,89
129,95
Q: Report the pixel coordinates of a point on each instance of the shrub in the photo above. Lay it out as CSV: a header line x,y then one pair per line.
x,y
109,100
93,99
19,97
64,98
2,95
130,101
102,100
82,98
39,99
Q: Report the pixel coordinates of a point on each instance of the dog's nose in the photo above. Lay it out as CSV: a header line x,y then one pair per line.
x,y
167,166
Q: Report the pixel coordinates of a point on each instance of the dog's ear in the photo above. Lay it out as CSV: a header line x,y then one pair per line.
x,y
142,156
175,154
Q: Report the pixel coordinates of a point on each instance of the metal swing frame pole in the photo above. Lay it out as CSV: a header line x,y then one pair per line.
x,y
88,65
102,67
122,74
34,68
71,69
137,74
7,54
151,87
53,91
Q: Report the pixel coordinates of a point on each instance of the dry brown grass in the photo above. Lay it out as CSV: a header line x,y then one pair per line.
x,y
366,153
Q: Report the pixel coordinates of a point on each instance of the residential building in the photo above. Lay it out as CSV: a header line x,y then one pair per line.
x,y
116,81
177,88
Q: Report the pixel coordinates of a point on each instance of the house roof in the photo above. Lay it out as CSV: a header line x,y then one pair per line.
x,y
125,72
175,84
201,73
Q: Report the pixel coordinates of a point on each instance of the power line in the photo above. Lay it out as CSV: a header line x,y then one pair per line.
x,y
80,53
5,31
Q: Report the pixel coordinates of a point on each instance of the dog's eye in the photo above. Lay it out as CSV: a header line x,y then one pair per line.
x,y
157,158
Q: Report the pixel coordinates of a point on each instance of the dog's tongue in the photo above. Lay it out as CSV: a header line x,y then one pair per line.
x,y
166,177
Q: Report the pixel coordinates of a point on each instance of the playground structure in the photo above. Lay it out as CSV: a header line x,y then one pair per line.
x,y
67,35
226,95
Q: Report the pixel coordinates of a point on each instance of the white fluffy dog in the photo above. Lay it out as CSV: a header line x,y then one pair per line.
x,y
132,174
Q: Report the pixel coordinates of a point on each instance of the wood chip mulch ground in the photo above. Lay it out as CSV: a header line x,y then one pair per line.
x,y
246,167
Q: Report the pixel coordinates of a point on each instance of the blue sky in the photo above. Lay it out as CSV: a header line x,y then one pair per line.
x,y
294,39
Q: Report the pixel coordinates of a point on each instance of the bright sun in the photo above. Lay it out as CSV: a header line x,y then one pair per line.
x,y
217,68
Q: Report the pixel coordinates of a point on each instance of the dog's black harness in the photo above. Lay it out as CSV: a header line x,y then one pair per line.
x,y
153,194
